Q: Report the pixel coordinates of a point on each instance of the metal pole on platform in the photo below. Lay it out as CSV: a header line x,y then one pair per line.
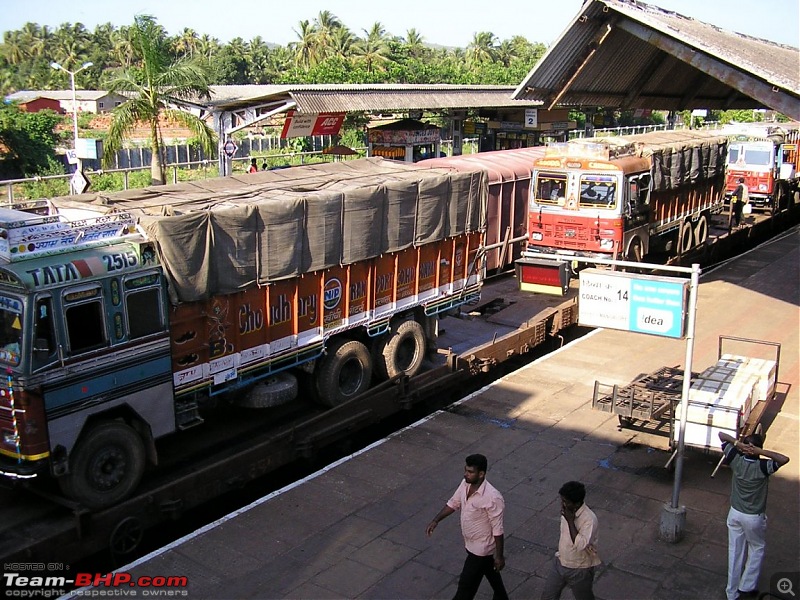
x,y
72,74
687,382
673,518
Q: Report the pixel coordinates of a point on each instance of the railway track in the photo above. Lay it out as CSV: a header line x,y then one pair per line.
x,y
506,326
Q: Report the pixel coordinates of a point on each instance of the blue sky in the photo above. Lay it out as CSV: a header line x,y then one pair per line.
x,y
444,22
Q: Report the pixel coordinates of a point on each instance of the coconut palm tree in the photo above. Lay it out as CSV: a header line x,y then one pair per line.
x,y
153,85
343,42
306,51
186,42
482,48
374,49
414,42
13,47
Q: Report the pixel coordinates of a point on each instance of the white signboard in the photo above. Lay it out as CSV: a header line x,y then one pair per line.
x,y
638,303
531,118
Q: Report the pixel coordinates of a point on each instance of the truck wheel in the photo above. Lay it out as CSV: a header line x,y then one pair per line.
x,y
701,231
105,466
344,373
686,238
275,390
404,350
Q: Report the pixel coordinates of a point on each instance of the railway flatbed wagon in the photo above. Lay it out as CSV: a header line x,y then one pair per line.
x,y
123,315
730,396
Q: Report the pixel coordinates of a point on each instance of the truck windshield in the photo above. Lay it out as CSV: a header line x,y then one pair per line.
x,y
551,188
598,191
10,330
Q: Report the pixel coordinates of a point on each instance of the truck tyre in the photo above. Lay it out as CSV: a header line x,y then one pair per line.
x,y
344,372
105,466
701,231
404,350
685,238
275,390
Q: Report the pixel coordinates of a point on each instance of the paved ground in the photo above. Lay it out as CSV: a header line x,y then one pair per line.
x,y
357,529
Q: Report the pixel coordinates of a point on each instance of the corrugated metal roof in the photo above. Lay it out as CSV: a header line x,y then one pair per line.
x,y
351,97
28,95
628,54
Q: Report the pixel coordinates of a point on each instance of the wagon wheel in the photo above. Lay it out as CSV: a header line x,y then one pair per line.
x,y
126,536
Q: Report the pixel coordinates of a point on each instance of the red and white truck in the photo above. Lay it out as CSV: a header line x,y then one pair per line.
x,y
767,158
121,315
621,198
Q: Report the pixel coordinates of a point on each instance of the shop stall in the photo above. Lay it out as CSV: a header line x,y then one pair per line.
x,y
407,140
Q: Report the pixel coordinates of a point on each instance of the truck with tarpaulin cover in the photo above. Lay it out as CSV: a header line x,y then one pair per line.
x,y
123,314
766,157
621,198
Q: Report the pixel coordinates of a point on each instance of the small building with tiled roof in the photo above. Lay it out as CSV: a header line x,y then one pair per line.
x,y
93,101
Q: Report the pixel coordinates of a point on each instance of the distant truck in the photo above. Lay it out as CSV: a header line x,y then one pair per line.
x,y
122,315
768,160
622,198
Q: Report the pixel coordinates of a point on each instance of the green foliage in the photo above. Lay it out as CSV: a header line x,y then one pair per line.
x,y
157,80
85,120
29,141
46,188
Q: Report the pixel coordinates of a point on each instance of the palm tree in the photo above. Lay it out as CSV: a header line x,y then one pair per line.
x,y
482,48
305,49
13,47
186,42
153,85
414,42
343,42
373,49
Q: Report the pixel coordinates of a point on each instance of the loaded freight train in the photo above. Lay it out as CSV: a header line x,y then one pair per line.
x,y
123,314
622,198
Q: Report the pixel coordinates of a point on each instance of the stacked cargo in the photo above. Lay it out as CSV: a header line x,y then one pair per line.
x,y
722,397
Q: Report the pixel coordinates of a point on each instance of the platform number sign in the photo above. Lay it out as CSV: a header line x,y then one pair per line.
x,y
638,303
531,118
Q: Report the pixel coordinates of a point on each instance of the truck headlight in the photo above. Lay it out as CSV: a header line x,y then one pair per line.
x,y
607,244
537,236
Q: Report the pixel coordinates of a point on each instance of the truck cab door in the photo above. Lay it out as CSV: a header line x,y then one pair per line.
x,y
45,339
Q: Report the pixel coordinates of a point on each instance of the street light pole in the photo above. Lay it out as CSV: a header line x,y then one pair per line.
x,y
72,74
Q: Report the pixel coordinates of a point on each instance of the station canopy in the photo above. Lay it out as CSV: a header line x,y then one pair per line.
x,y
626,54
254,103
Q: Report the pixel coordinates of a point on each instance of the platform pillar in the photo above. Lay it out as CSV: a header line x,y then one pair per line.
x,y
673,523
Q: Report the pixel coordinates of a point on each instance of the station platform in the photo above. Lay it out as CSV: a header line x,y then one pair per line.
x,y
357,528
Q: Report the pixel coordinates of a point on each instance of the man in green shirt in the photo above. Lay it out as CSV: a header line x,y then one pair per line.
x,y
747,519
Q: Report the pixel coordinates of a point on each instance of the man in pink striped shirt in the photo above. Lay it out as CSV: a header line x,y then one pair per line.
x,y
482,508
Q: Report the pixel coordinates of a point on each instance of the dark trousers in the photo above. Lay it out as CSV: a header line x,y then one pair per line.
x,y
476,568
737,212
579,581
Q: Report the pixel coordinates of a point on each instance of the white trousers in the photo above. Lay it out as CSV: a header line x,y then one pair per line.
x,y
747,538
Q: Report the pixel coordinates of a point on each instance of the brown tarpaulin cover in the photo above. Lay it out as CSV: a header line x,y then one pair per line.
x,y
221,235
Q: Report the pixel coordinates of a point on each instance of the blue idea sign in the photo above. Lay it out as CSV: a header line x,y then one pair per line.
x,y
638,303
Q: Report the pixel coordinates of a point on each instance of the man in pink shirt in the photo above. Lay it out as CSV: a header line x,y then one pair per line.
x,y
574,563
481,507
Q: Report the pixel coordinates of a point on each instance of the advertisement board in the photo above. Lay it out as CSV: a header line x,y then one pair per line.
x,y
632,302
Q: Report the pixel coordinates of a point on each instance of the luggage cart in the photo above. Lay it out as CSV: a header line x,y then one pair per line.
x,y
731,395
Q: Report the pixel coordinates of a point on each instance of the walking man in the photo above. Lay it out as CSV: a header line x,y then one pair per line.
x,y
482,508
747,521
740,197
574,563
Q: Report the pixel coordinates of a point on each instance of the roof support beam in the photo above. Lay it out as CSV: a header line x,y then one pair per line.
x,y
694,89
646,73
602,33
782,100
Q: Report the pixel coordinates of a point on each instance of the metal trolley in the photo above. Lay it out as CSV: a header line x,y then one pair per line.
x,y
731,395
